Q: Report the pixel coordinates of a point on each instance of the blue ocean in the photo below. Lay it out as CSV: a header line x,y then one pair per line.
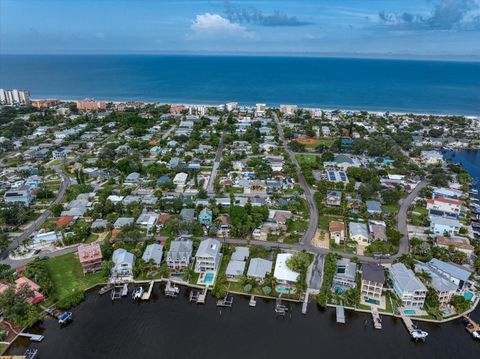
x,y
365,84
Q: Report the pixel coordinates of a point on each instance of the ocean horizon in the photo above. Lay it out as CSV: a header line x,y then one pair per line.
x,y
371,84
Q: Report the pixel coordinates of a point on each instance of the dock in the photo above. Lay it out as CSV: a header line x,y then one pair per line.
x,y
33,337
472,327
171,290
305,303
146,295
202,296
253,301
118,291
340,314
105,289
225,302
280,309
194,296
408,323
377,321
31,354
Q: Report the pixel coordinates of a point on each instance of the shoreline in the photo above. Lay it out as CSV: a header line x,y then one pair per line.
x,y
328,108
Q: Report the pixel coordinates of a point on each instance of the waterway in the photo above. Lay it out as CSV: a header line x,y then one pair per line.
x,y
469,159
174,328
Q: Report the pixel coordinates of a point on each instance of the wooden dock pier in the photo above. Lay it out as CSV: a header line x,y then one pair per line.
x,y
171,290
146,295
202,297
305,303
408,323
377,321
280,309
33,337
225,302
340,314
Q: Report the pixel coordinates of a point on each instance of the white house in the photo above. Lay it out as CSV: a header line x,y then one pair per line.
x,y
180,179
408,288
359,233
180,254
123,265
208,256
431,157
282,273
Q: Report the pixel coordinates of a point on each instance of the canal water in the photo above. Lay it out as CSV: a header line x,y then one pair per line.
x,y
175,328
469,159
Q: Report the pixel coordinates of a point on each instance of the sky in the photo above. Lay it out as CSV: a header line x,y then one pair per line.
x,y
396,28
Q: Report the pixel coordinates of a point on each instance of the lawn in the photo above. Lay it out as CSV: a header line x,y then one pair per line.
x,y
306,159
67,275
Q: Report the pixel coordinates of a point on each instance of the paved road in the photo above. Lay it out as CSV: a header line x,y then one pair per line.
x,y
402,218
312,207
216,164
65,183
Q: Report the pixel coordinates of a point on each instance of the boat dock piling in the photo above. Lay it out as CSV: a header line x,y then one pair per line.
x,y
146,295
31,354
280,309
253,302
340,314
193,296
377,321
117,291
33,337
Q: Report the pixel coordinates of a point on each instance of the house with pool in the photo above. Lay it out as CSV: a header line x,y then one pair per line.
x,y
285,277
408,288
207,260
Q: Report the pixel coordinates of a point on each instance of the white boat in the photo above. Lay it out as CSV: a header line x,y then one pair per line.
x,y
137,293
418,334
476,334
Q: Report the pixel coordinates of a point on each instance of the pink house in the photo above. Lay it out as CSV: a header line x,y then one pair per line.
x,y
90,257
34,287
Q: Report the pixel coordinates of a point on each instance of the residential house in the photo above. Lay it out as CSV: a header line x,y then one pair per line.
x,y
444,225
180,254
208,256
259,268
123,263
205,217
90,257
407,287
374,207
188,214
445,288
240,254
373,278
358,232
282,273
153,252
334,198
461,244
456,274
21,195
132,179
431,157
123,221
337,231
235,269
345,275
445,207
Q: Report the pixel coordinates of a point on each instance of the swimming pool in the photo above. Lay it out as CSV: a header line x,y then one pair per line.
x,y
447,312
468,296
208,278
339,290
409,312
285,290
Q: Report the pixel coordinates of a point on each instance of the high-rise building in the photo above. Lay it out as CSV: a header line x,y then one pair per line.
x,y
14,97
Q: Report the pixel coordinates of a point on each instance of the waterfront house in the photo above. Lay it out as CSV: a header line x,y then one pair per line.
x,y
407,287
461,244
431,157
205,217
282,273
153,252
123,263
345,275
358,232
337,231
235,269
445,207
456,274
180,254
208,256
90,257
373,278
259,268
443,225
443,286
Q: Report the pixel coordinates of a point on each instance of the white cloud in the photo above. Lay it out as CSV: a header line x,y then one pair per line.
x,y
214,25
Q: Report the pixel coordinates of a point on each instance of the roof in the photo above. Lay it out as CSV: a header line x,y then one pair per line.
x,y
374,206
282,272
187,214
356,229
373,273
336,226
241,253
235,268
346,269
89,252
459,242
180,249
438,281
208,248
64,220
406,278
153,252
259,267
450,269
120,255
444,221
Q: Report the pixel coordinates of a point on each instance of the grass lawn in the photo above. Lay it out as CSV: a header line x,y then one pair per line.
x,y
306,159
324,221
91,238
391,208
67,275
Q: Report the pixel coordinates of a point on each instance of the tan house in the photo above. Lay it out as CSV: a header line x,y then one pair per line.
x,y
90,257
337,231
